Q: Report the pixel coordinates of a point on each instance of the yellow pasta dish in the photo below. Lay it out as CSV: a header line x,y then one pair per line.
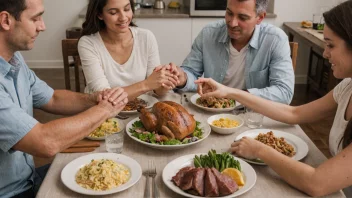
x,y
225,123
102,175
109,126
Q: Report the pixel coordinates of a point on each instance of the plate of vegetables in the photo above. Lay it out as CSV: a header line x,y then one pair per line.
x,y
137,132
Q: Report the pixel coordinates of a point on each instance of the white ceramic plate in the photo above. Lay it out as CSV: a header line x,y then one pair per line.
x,y
121,126
69,172
225,131
298,144
170,170
217,110
150,102
203,125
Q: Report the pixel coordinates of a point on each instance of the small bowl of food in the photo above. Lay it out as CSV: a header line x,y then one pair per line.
x,y
112,125
225,123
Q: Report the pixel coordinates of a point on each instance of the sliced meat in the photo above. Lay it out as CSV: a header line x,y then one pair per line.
x,y
210,185
192,192
187,180
198,181
225,183
178,177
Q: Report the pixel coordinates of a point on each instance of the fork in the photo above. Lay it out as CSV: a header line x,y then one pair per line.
x,y
152,173
146,190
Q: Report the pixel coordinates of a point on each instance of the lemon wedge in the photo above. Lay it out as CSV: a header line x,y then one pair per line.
x,y
235,174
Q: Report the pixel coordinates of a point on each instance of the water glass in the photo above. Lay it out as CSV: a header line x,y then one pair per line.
x,y
316,20
114,142
253,119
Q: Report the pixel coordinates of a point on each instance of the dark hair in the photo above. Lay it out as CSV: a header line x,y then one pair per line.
x,y
260,5
338,19
14,7
93,24
347,136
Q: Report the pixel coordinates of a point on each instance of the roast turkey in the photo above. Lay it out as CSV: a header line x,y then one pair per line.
x,y
168,118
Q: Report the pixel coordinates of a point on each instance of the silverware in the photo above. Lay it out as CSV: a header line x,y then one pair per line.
x,y
152,173
239,110
147,187
121,117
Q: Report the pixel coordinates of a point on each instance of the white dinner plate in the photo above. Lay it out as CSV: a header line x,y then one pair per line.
x,y
69,172
298,144
216,110
121,127
150,103
170,170
203,125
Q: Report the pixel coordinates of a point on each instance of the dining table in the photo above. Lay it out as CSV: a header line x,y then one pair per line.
x,y
268,183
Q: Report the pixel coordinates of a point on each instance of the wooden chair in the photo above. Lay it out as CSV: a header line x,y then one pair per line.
x,y
69,49
294,49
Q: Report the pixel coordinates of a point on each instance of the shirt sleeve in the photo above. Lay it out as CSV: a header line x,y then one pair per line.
x,y
281,75
92,66
41,91
339,89
153,53
15,122
193,64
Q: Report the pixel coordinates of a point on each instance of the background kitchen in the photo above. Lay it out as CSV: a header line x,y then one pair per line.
x,y
175,30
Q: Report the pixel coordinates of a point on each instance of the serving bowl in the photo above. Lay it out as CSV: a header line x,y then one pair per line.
x,y
225,130
121,126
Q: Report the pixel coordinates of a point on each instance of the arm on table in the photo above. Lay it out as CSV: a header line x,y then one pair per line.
x,y
331,176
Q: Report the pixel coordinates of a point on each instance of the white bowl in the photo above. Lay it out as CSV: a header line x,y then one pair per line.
x,y
121,127
225,130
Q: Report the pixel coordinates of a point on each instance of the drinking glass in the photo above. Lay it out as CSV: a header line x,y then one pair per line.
x,y
316,20
253,119
114,141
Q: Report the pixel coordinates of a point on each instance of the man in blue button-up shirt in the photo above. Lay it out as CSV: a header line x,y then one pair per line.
x,y
21,136
242,53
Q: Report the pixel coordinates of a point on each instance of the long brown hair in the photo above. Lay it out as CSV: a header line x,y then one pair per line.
x,y
93,24
338,19
347,136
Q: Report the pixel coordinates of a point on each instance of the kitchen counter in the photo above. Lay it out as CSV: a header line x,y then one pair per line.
x,y
166,13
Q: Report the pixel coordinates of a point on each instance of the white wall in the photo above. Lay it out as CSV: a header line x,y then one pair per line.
x,y
61,14
299,10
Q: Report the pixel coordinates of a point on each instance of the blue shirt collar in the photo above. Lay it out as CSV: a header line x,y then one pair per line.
x,y
254,42
5,66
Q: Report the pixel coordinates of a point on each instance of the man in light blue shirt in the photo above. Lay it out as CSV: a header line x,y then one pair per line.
x,y
21,136
242,53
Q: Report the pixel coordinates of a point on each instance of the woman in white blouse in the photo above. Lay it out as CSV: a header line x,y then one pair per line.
x,y
335,173
116,53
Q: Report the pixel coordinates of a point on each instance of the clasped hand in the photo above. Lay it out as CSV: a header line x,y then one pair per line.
x,y
112,100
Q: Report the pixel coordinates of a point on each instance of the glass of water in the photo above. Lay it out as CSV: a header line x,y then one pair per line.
x,y
253,119
114,141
